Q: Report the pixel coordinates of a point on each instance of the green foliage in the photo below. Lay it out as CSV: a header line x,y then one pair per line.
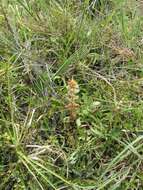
x,y
43,45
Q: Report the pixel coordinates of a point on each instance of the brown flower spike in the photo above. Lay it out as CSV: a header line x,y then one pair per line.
x,y
72,97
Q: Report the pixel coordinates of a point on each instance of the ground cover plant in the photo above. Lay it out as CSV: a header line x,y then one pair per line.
x,y
71,95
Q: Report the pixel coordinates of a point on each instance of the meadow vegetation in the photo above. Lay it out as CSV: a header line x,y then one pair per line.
x,y
71,95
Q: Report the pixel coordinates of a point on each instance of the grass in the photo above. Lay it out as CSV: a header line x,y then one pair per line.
x,y
52,136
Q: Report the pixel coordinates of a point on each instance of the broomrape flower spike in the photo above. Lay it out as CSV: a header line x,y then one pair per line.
x,y
72,106
73,86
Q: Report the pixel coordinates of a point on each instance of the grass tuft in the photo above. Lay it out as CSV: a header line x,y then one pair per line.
x,y
71,98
